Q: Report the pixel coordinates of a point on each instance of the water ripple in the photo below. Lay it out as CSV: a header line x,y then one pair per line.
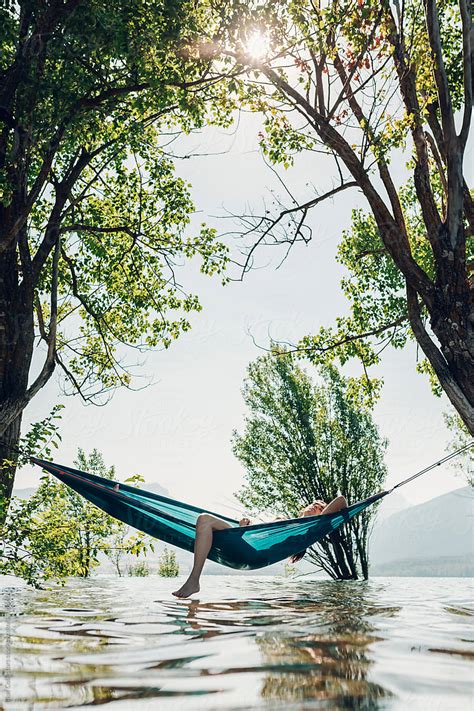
x,y
247,643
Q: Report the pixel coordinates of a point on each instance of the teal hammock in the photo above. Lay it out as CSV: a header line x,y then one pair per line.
x,y
174,522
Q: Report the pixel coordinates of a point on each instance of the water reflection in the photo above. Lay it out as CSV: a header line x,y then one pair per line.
x,y
333,664
249,643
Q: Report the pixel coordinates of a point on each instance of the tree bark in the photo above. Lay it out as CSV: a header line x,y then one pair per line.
x,y
87,565
16,350
343,557
361,543
8,459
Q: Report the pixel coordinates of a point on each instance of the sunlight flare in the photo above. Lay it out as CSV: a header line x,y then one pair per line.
x,y
257,45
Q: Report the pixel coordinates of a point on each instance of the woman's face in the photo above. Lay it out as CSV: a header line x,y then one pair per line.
x,y
314,509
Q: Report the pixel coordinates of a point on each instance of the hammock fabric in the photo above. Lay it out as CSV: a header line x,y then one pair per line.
x,y
174,522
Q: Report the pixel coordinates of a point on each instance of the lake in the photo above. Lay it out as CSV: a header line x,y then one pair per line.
x,y
246,643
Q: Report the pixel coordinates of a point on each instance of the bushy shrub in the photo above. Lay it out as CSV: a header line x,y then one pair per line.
x,y
168,565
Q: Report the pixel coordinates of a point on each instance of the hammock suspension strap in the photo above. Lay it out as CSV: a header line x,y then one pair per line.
x,y
433,466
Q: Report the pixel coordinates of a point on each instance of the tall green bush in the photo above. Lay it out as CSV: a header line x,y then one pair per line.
x,y
304,441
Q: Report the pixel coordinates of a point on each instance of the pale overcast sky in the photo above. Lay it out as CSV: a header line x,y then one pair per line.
x,y
177,432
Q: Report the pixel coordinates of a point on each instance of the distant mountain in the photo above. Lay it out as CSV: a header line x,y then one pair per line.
x,y
390,505
25,493
155,488
433,538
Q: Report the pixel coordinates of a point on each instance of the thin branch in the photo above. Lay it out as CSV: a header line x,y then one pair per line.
x,y
468,60
350,338
272,223
393,238
439,71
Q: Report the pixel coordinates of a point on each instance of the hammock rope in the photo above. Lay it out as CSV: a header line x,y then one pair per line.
x,y
433,466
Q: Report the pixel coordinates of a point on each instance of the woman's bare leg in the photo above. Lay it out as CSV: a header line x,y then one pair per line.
x,y
205,527
335,505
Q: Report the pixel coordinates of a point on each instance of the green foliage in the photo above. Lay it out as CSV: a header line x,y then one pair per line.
x,y
101,96
461,438
42,436
56,533
303,34
139,570
305,441
375,289
168,566
376,292
356,80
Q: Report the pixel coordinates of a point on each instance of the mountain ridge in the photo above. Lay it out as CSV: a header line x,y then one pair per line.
x,y
424,536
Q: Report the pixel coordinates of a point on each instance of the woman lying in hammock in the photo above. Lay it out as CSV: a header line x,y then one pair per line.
x,y
207,524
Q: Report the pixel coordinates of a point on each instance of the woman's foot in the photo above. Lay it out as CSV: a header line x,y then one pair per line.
x,y
189,588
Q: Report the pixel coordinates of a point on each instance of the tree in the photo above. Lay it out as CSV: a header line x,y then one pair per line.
x,y
56,533
303,442
363,82
92,216
461,438
168,566
121,542
97,530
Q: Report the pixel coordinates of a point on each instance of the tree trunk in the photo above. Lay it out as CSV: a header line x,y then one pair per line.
x,y
453,324
340,552
450,299
16,350
361,543
87,565
8,459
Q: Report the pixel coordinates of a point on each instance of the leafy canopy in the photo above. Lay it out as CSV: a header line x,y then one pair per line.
x,y
371,84
304,441
95,94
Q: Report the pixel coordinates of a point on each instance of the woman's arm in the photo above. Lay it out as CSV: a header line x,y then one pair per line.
x,y
335,505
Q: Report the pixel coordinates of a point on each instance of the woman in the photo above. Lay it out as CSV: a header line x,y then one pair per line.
x,y
206,525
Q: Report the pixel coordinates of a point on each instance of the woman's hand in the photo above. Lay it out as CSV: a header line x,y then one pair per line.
x,y
244,521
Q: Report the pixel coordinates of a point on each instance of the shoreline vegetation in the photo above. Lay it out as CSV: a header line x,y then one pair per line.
x,y
436,567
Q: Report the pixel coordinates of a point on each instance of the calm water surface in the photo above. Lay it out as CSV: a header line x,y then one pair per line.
x,y
246,643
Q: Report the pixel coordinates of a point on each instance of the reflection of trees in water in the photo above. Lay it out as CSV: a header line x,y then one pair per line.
x,y
329,662
323,669
317,642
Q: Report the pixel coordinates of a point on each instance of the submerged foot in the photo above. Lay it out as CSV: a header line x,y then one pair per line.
x,y
189,588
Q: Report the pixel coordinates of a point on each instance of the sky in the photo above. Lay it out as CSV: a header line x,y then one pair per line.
x,y
178,430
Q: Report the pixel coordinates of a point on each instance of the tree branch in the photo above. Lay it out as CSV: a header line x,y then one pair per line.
x,y
303,208
408,88
395,241
442,85
377,331
364,122
468,61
